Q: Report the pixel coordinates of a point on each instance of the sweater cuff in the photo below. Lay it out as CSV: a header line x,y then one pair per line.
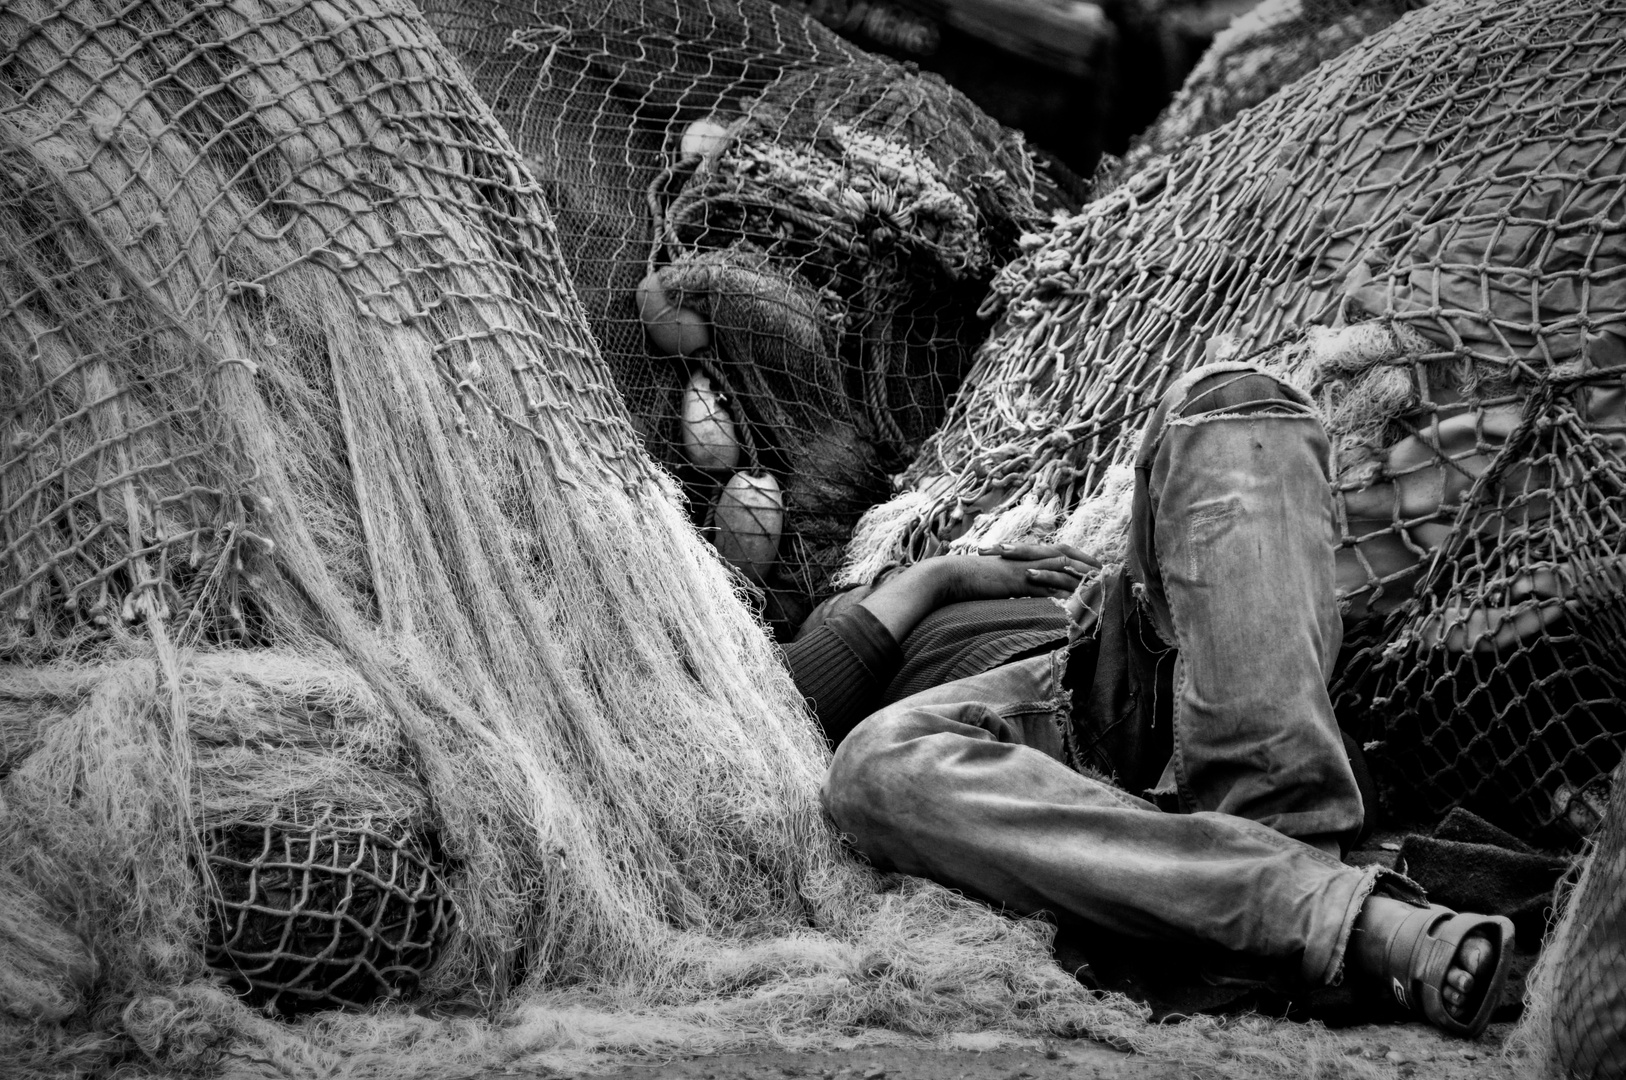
x,y
871,642
842,667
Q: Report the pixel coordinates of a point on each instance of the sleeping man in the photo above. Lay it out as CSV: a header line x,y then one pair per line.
x,y
1160,760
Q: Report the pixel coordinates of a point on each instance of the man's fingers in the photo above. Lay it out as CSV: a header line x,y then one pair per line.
x,y
1056,581
1082,556
1022,552
1058,555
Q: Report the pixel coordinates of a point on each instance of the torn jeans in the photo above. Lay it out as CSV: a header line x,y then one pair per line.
x,y
1232,562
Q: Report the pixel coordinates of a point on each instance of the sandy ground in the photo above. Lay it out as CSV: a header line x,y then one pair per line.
x,y
1400,1050
1373,1051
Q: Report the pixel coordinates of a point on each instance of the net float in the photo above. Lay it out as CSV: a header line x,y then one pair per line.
x,y
706,429
703,138
672,330
748,521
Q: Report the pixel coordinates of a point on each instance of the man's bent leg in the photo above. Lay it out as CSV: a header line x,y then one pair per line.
x,y
964,784
1232,552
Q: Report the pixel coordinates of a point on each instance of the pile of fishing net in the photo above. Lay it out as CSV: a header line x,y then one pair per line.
x,y
780,241
350,646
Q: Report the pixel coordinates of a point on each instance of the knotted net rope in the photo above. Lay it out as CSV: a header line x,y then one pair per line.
x,y
1450,192
831,218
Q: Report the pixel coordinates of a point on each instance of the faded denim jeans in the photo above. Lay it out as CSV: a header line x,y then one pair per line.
x,y
1232,560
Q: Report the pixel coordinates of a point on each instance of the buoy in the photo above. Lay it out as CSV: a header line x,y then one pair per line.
x,y
748,520
703,138
672,330
707,434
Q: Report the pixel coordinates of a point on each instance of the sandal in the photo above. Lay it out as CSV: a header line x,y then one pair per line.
x,y
1418,953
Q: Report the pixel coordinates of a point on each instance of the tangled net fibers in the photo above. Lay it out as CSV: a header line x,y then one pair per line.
x,y
781,243
1456,181
350,641
1574,1024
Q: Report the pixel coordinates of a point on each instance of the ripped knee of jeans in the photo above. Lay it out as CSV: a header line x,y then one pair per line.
x,y
1241,393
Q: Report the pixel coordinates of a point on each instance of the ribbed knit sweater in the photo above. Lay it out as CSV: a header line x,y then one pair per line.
x,y
850,666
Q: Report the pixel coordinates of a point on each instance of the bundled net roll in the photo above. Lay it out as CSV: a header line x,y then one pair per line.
x,y
780,241
348,640
314,914
1426,233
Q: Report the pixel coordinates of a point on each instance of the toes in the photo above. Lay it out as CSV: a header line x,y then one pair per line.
x,y
1458,985
1474,953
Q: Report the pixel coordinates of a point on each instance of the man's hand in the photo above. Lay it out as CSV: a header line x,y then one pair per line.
x,y
909,595
1044,569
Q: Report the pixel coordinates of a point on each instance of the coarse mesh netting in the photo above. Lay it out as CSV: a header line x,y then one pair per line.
x,y
826,220
294,383
1427,233
313,914
117,497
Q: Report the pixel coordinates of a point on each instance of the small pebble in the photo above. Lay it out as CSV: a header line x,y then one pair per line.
x,y
1395,1057
1470,1055
874,1072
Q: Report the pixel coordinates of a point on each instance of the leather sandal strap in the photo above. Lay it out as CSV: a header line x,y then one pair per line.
x,y
1402,960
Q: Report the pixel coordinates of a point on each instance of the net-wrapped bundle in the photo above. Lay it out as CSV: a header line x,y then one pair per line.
x,y
781,243
319,913
348,639
1426,233
1262,50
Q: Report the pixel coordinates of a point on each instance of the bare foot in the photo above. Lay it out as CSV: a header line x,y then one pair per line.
x,y
1369,944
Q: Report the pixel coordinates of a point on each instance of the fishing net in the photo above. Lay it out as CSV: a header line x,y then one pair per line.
x,y
1073,78
1574,1025
1259,52
346,629
1427,234
299,414
321,913
780,241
